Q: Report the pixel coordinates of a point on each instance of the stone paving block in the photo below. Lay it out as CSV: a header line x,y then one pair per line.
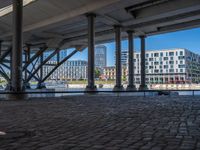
x,y
102,122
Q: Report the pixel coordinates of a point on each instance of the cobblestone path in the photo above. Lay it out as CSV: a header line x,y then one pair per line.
x,y
101,122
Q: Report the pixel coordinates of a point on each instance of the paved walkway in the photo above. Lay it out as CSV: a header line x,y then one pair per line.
x,y
107,123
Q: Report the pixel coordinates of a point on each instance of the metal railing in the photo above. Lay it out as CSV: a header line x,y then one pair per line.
x,y
142,92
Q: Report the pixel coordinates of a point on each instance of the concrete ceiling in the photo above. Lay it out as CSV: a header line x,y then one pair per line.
x,y
52,21
4,3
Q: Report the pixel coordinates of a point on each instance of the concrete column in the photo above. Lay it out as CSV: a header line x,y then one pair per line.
x,y
27,59
0,47
131,85
16,79
143,85
118,85
91,44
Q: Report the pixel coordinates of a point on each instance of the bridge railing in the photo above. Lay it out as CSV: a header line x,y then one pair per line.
x,y
53,93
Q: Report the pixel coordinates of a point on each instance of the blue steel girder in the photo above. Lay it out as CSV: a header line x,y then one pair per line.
x,y
58,65
37,54
56,51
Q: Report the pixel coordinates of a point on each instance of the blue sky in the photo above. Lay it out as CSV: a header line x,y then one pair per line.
x,y
189,39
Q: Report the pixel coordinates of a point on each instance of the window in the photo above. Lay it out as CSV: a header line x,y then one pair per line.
x,y
150,67
161,54
165,58
171,53
156,63
165,66
156,54
150,59
181,66
181,53
181,57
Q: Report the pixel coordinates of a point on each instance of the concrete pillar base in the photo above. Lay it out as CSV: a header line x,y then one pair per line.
x,y
8,87
27,86
143,87
91,88
41,86
17,96
118,88
131,88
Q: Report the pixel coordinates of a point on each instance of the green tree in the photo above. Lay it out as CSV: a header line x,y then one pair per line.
x,y
124,78
97,73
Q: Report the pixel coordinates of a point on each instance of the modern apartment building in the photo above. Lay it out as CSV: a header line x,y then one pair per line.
x,y
169,66
70,70
100,56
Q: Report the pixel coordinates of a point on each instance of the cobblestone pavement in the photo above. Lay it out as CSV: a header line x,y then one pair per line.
x,y
101,122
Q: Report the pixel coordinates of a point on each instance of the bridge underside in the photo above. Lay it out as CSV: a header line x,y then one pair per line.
x,y
54,25
50,21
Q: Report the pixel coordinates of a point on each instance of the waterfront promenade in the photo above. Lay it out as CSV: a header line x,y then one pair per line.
x,y
101,122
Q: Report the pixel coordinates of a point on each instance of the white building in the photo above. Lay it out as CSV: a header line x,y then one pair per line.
x,y
169,66
70,70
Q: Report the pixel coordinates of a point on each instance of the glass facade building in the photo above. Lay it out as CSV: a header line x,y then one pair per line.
x,y
100,56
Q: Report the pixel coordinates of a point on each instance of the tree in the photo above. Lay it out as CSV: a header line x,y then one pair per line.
x,y
97,73
124,78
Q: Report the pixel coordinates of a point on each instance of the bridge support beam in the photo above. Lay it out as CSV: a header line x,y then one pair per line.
x,y
27,59
41,84
118,85
16,72
143,85
91,44
58,65
131,85
0,46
